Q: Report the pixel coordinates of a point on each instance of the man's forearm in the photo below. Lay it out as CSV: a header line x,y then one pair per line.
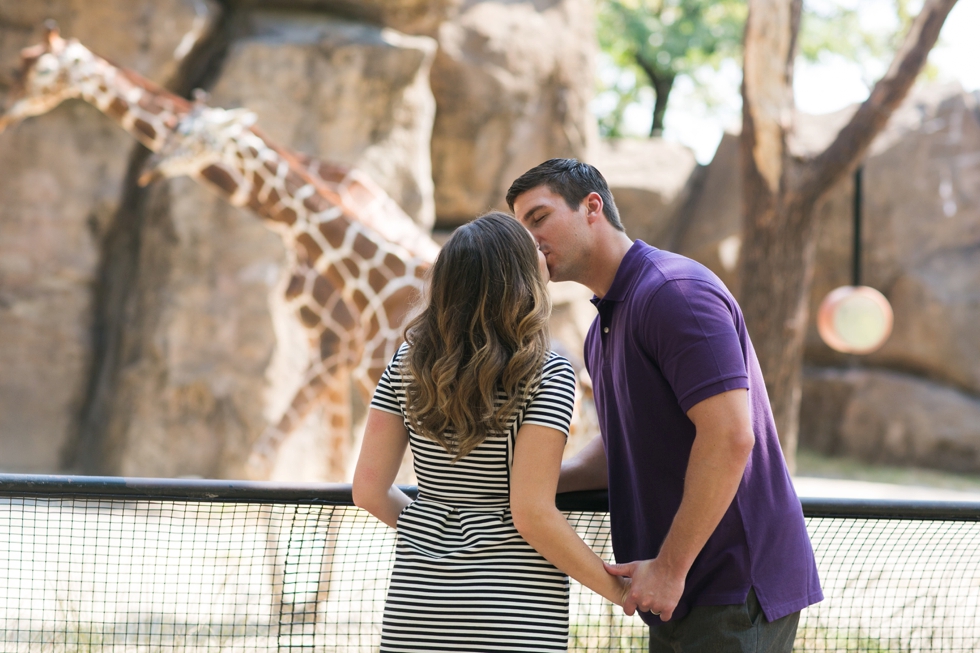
x,y
714,472
586,470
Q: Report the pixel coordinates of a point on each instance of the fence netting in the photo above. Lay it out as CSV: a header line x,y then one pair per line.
x,y
84,574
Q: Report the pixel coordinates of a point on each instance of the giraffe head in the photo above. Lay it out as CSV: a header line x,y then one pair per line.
x,y
203,137
47,76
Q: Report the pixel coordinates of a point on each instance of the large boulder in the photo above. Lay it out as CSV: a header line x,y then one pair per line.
x,y
892,418
186,393
921,238
347,92
213,354
512,82
62,177
650,180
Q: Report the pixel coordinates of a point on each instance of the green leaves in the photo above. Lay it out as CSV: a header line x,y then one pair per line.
x,y
652,42
660,39
675,36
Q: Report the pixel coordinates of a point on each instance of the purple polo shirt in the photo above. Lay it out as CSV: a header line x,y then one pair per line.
x,y
669,335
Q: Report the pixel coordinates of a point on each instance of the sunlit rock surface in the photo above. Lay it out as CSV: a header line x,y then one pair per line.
x,y
512,81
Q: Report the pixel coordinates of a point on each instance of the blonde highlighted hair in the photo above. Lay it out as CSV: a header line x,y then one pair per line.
x,y
484,330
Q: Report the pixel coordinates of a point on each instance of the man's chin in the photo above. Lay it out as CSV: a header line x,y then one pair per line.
x,y
556,274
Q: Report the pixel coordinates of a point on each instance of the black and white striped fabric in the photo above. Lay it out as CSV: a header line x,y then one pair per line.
x,y
464,579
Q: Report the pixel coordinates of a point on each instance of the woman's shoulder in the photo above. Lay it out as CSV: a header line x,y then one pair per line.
x,y
399,360
556,365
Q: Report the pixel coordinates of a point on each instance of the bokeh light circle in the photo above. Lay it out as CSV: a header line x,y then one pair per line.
x,y
855,319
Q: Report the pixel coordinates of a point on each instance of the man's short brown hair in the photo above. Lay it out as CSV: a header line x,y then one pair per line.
x,y
572,180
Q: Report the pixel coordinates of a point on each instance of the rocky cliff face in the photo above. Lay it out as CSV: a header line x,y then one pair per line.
x,y
512,82
63,180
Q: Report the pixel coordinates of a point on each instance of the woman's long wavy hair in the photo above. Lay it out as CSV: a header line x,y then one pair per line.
x,y
484,329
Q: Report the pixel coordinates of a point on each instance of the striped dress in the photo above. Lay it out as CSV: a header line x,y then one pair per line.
x,y
464,580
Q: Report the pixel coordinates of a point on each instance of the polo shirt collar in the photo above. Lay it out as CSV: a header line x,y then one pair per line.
x,y
625,274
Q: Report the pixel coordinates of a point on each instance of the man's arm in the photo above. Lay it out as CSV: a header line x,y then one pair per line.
x,y
586,470
722,444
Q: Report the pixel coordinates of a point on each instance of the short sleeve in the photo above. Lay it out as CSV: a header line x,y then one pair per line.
x,y
691,328
552,402
390,385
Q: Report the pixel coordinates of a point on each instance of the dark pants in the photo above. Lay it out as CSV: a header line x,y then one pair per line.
x,y
726,629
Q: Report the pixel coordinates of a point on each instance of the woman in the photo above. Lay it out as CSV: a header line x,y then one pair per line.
x,y
486,408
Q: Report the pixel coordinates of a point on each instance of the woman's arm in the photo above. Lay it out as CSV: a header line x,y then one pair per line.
x,y
534,480
385,439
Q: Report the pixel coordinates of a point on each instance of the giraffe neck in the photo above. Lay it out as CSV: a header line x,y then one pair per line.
x,y
255,174
143,109
224,150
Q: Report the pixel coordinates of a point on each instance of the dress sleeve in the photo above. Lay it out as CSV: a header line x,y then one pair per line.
x,y
552,402
691,328
390,387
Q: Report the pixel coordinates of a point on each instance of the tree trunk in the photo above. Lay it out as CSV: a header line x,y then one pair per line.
x,y
773,277
780,191
777,270
662,85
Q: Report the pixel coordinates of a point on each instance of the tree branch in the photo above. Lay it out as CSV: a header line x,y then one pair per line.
x,y
851,143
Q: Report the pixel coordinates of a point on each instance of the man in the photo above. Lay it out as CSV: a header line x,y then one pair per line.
x,y
704,517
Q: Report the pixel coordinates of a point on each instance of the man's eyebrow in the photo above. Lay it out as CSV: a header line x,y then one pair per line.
x,y
528,215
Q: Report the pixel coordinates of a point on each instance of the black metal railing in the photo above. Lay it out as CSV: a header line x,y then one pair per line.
x,y
120,564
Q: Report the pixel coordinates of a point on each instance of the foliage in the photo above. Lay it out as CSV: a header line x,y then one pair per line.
x,y
660,39
830,27
652,42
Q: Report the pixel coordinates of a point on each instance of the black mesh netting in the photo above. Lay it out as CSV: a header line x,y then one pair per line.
x,y
81,574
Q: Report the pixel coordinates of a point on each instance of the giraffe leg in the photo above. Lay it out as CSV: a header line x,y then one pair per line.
x,y
337,392
327,387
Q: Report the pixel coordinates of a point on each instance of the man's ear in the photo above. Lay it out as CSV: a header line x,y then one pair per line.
x,y
593,207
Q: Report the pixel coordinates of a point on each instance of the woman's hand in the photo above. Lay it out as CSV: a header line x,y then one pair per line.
x,y
625,585
653,588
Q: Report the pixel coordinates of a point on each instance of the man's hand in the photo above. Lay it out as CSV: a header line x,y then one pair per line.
x,y
652,588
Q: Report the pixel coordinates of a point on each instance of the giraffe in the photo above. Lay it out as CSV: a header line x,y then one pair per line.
x,y
356,262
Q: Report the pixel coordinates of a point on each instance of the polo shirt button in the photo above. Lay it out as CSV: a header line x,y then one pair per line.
x,y
605,329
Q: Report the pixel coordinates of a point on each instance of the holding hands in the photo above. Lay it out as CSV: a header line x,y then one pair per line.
x,y
652,587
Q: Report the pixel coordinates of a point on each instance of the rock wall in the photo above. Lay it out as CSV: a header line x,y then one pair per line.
x,y
512,82
142,332
62,182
